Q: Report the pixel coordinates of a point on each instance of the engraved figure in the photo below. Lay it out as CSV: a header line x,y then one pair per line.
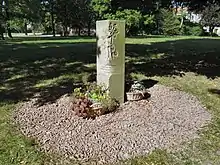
x,y
108,42
112,35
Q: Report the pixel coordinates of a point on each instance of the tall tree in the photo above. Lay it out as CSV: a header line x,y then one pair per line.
x,y
1,20
211,16
199,5
52,16
101,7
65,13
7,17
48,7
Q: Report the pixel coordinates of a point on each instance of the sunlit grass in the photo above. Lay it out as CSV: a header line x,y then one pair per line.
x,y
58,80
62,57
14,77
59,41
204,149
14,148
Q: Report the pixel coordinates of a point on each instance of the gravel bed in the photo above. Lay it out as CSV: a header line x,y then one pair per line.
x,y
169,118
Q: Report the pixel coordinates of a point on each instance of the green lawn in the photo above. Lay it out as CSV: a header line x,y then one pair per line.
x,y
54,66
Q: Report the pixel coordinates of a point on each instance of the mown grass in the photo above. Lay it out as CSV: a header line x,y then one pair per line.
x,y
52,67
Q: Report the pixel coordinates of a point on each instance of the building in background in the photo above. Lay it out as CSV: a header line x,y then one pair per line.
x,y
195,18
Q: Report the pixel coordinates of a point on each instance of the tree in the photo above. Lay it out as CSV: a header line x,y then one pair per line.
x,y
65,13
169,22
101,7
30,11
88,15
15,12
199,5
133,19
141,5
48,16
51,2
7,16
1,21
211,16
149,23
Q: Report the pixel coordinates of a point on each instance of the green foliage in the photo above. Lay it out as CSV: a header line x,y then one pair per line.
x,y
211,16
149,23
193,29
196,31
101,7
133,19
170,23
74,14
17,25
95,92
149,19
78,93
109,104
98,96
46,22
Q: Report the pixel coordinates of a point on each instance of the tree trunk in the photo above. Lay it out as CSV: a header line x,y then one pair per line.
x,y
53,25
79,31
25,29
211,29
89,28
182,16
7,18
9,31
2,33
1,21
181,23
65,31
52,19
2,36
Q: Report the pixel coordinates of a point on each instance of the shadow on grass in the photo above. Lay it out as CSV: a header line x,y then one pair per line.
x,y
148,36
201,56
49,70
30,70
215,91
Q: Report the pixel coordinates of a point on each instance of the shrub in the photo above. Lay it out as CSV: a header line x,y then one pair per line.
x,y
193,29
196,31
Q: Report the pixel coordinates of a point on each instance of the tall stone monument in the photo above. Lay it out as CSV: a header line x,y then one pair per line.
x,y
111,57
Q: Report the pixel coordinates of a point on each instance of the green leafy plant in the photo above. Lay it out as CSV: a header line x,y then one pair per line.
x,y
78,93
92,101
193,29
132,18
96,92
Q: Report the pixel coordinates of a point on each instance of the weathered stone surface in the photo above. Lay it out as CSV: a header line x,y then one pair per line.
x,y
111,56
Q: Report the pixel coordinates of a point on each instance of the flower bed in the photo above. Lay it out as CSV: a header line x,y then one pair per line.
x,y
92,101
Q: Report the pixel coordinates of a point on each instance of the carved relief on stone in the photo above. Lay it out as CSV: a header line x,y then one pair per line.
x,y
108,40
112,35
